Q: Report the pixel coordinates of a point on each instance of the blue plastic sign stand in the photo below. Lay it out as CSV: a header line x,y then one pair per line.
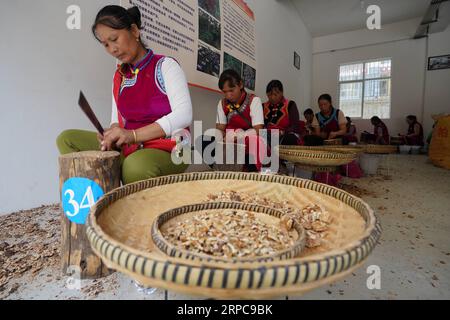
x,y
78,196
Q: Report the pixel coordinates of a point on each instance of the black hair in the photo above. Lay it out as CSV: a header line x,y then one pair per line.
x,y
412,118
325,96
230,76
274,84
375,119
308,111
117,17
348,119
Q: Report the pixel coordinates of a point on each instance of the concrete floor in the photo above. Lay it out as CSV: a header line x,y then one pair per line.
x,y
413,255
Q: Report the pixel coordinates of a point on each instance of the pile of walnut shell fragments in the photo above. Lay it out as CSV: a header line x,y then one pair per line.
x,y
240,234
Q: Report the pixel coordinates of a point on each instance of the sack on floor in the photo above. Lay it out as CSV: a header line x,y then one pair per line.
x,y
440,143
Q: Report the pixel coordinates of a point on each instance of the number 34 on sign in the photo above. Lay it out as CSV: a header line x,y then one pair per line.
x,y
78,195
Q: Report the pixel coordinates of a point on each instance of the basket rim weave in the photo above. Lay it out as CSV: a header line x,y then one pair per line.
x,y
316,157
380,149
171,250
330,148
268,279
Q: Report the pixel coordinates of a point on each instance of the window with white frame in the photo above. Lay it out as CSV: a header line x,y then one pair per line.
x,y
365,89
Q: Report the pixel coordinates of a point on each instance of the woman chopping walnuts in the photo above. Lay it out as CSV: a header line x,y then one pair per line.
x,y
151,101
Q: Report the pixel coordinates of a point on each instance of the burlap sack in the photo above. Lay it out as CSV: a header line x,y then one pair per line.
x,y
440,143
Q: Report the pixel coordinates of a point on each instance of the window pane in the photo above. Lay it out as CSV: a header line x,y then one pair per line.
x,y
350,99
378,69
351,72
377,99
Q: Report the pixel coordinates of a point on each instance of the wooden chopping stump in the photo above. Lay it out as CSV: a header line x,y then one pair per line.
x,y
94,173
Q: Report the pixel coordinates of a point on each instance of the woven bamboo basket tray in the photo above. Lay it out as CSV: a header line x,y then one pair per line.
x,y
333,142
318,157
119,230
317,169
380,149
345,149
397,141
352,149
269,216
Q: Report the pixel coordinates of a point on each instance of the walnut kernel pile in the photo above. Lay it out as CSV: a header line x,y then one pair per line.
x,y
228,234
313,218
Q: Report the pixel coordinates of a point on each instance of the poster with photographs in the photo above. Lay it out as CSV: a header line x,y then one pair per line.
x,y
208,60
439,62
205,36
230,62
249,76
209,29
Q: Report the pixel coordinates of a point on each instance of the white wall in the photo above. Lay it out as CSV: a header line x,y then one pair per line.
x,y
358,38
437,93
280,32
414,90
276,43
44,65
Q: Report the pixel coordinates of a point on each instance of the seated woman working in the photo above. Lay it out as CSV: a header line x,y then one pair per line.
x,y
281,114
414,137
241,111
151,101
351,135
380,133
309,117
329,123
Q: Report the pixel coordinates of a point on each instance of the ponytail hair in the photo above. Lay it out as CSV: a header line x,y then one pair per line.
x,y
117,17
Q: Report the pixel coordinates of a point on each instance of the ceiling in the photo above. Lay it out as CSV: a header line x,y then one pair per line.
x,y
324,17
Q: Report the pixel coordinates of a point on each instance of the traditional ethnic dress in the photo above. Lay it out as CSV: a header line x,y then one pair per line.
x,y
141,99
276,116
416,140
384,132
351,135
329,124
239,117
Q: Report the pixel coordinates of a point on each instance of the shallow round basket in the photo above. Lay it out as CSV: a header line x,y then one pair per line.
x,y
397,141
380,149
119,225
267,215
346,149
333,142
317,169
353,149
316,156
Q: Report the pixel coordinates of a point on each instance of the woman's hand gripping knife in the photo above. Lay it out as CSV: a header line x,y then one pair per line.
x,y
115,137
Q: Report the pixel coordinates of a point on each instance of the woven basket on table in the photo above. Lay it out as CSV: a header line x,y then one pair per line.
x,y
353,149
119,230
397,141
268,215
346,149
318,157
333,142
380,149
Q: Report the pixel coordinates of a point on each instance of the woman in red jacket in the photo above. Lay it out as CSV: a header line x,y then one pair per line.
x,y
414,137
281,114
